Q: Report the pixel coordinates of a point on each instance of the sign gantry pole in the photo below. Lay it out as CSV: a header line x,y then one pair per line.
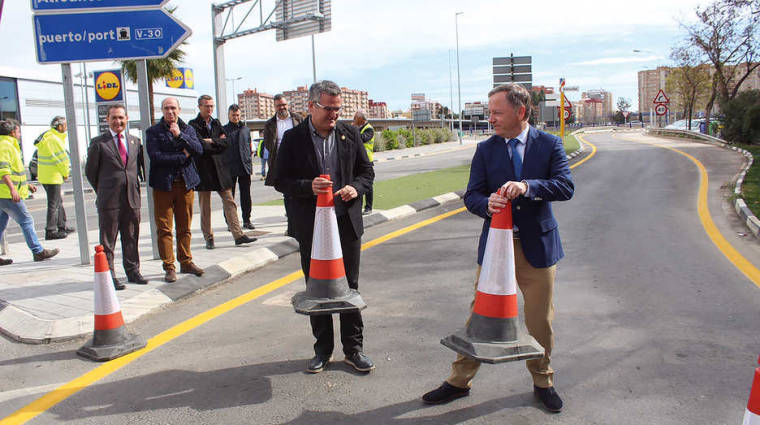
x,y
76,167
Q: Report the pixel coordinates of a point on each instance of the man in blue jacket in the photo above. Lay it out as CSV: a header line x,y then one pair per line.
x,y
532,168
171,146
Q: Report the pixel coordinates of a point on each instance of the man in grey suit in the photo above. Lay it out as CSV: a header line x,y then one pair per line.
x,y
114,163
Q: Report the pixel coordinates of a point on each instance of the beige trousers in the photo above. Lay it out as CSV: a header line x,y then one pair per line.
x,y
230,213
536,285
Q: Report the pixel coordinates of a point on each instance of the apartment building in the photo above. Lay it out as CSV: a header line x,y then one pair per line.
x,y
255,105
377,109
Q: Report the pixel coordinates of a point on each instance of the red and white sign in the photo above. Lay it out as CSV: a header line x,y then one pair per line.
x,y
661,109
625,114
661,98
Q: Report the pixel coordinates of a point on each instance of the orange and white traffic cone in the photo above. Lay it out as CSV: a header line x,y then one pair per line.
x,y
752,413
327,289
110,338
492,334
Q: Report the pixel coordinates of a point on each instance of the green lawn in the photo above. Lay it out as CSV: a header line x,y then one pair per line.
x,y
570,143
405,190
751,185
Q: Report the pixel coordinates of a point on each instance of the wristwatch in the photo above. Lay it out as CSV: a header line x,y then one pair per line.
x,y
525,182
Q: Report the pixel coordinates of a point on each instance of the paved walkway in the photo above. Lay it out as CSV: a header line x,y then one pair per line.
x,y
53,300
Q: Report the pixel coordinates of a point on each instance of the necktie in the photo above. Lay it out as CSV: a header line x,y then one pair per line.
x,y
122,150
516,159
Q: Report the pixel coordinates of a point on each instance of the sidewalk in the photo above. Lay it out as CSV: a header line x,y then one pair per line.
x,y
53,300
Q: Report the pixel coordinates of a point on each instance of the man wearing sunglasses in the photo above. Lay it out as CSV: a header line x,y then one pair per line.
x,y
322,145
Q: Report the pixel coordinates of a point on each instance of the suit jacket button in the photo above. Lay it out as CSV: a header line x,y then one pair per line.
x,y
517,207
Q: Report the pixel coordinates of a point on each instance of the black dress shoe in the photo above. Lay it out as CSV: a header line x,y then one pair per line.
x,y
244,239
210,243
317,363
118,285
5,261
49,236
67,230
549,398
136,278
445,393
248,225
359,361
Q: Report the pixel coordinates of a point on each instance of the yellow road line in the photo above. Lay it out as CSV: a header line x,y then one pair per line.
x,y
725,247
593,151
65,391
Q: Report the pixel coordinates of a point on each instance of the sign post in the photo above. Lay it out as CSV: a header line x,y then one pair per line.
x,y
661,104
562,108
79,31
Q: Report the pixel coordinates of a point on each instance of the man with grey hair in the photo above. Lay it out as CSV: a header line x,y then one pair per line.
x,y
323,146
529,168
53,168
274,130
368,139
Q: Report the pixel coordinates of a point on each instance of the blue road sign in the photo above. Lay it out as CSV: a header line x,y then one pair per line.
x,y
62,6
82,37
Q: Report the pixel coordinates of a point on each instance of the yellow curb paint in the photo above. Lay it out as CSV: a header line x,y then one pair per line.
x,y
65,391
72,387
593,151
725,247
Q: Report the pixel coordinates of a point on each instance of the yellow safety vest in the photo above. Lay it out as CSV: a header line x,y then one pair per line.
x,y
52,160
12,165
369,146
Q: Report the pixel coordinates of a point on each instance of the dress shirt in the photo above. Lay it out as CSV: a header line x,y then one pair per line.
x,y
115,137
282,127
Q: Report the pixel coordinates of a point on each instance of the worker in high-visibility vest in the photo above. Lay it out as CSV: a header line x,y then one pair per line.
x,y
53,168
14,189
368,138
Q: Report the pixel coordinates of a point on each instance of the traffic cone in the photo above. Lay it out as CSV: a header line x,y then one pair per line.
x,y
110,338
492,334
752,413
327,289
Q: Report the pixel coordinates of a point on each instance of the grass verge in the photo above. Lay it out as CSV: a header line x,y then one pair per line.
x,y
405,190
751,185
570,143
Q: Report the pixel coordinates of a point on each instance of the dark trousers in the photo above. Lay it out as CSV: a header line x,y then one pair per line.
x,y
126,222
56,216
244,182
368,199
291,229
351,324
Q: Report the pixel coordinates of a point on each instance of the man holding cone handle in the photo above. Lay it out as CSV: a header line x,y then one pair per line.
x,y
320,145
531,168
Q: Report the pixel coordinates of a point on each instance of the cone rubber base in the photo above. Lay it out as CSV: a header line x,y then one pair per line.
x,y
524,348
105,353
348,303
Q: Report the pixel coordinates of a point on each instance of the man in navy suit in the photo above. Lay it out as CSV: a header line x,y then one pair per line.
x,y
532,168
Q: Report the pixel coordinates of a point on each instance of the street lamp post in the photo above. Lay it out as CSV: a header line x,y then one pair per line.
x,y
234,100
459,79
451,94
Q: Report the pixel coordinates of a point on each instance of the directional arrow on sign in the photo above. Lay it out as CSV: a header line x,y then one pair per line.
x,y
661,98
62,6
120,35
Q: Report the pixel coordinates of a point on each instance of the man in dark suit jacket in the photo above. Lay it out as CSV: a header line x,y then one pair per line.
x,y
114,162
274,130
322,145
531,167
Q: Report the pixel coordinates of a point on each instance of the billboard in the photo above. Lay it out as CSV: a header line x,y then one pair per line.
x,y
182,78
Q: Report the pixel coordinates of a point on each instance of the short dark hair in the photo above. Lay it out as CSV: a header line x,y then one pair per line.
x,y
234,107
204,97
116,106
516,95
278,97
7,126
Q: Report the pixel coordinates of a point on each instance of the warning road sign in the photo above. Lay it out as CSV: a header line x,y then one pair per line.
x,y
661,98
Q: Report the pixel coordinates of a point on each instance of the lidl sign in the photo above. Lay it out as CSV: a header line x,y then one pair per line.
x,y
108,86
181,78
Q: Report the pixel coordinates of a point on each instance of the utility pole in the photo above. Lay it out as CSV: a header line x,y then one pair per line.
x,y
459,79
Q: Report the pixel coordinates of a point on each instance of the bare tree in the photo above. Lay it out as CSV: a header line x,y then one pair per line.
x,y
689,81
726,33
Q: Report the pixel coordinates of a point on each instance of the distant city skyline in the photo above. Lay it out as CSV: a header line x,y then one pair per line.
x,y
392,49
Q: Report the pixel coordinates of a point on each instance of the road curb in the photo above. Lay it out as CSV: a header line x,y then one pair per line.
x,y
24,327
740,206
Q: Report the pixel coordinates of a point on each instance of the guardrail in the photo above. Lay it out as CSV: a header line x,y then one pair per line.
x,y
750,220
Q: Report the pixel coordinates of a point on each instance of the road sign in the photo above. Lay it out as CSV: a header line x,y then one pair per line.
x,y
62,6
661,109
302,17
83,37
571,88
661,98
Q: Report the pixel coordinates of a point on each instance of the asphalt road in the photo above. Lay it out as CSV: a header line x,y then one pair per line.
x,y
260,192
653,324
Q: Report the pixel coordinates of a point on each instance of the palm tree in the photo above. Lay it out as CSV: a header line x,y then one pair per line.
x,y
157,69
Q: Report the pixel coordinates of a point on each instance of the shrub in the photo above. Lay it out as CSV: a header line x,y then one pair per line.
x,y
425,136
741,118
390,139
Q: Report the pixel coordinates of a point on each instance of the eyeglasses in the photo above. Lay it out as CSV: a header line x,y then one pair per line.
x,y
335,109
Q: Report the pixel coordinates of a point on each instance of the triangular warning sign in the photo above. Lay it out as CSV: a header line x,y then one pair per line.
x,y
661,98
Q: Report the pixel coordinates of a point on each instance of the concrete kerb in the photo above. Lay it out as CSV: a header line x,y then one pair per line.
x,y
21,326
750,220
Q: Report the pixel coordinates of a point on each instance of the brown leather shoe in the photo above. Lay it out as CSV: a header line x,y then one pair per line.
x,y
45,254
170,276
191,268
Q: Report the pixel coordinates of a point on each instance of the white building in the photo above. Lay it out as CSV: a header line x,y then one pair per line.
x,y
35,97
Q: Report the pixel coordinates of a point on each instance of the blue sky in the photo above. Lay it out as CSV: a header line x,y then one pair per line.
x,y
393,48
